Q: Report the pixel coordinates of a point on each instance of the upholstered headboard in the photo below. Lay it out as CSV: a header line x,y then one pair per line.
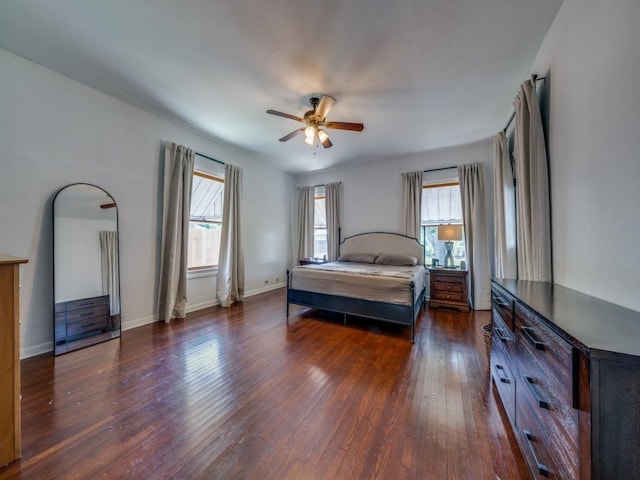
x,y
383,242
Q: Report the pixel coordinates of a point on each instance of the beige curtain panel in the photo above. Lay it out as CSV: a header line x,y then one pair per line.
x,y
411,202
230,280
476,234
532,188
332,204
172,285
503,211
306,198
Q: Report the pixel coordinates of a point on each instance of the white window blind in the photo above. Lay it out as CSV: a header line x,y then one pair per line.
x,y
441,205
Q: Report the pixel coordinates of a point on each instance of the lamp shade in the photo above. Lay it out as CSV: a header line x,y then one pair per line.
x,y
449,232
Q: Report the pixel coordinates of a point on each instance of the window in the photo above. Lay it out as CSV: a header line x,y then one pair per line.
x,y
205,222
441,205
319,224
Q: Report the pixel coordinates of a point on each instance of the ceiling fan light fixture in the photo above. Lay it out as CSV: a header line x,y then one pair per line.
x,y
322,135
309,135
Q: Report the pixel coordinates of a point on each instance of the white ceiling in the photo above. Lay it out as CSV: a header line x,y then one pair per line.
x,y
420,74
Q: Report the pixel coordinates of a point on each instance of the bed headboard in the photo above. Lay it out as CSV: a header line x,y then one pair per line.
x,y
382,242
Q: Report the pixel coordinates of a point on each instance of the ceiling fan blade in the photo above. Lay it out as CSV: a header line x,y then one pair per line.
x,y
285,115
355,127
292,134
326,102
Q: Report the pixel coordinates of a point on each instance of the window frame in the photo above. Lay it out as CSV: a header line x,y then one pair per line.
x,y
425,226
321,196
204,270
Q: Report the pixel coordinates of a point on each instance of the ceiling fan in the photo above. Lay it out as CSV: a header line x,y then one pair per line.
x,y
315,121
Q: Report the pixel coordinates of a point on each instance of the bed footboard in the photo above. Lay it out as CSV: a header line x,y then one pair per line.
x,y
387,312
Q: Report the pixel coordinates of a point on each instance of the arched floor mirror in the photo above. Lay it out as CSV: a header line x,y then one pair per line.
x,y
86,267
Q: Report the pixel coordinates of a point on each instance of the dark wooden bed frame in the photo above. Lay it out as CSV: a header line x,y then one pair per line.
x,y
387,312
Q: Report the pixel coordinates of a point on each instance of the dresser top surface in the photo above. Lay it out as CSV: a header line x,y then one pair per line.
x,y
593,323
6,259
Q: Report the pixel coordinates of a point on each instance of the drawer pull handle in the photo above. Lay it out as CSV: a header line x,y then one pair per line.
x,y
536,343
499,303
542,469
88,314
500,369
500,334
542,403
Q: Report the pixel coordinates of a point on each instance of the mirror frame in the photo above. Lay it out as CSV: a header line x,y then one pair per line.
x,y
88,312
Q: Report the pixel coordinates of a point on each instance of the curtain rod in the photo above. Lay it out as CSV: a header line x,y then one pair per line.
x,y
319,185
535,78
209,158
438,169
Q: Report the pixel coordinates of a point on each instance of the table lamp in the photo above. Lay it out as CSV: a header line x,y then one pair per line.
x,y
449,233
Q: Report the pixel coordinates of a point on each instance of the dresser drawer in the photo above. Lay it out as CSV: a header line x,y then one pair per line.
x,y
503,379
558,421
536,449
87,303
82,314
87,325
503,335
539,347
503,304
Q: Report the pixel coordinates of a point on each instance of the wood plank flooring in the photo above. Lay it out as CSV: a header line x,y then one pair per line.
x,y
237,394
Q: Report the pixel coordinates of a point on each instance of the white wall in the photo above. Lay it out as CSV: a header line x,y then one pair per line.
x,y
55,131
372,194
591,55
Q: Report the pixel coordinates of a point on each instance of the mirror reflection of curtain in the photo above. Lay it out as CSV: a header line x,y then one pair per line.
x,y
110,273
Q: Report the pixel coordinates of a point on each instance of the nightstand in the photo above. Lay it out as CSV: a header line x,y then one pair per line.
x,y
448,288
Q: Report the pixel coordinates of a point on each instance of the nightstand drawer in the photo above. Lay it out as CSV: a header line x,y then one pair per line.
x,y
448,287
442,278
449,297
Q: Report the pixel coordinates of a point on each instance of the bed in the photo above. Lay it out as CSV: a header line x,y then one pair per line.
x,y
379,275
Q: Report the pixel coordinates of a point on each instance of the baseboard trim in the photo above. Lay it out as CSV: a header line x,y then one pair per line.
x,y
36,350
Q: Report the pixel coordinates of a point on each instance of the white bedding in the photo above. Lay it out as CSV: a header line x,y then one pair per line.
x,y
380,283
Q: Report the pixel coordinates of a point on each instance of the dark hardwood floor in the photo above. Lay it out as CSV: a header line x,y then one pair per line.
x,y
237,394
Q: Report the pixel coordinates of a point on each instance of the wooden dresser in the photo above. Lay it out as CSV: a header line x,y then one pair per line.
x,y
10,433
448,288
567,369
80,318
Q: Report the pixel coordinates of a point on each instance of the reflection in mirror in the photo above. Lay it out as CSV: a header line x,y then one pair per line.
x,y
86,267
